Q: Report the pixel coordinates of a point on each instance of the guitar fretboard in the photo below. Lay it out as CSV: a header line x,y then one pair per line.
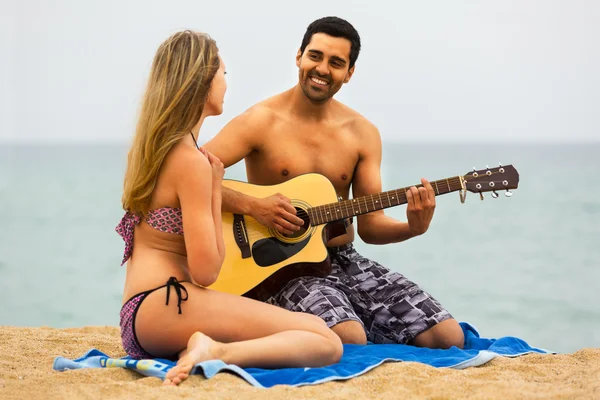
x,y
362,205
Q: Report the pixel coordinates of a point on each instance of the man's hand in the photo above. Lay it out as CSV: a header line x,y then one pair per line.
x,y
421,205
277,212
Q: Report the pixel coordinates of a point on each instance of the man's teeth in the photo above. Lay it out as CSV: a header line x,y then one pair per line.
x,y
319,81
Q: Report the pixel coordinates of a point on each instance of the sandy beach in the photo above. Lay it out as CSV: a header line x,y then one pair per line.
x,y
27,356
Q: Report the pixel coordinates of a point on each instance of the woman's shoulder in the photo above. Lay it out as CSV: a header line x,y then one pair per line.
x,y
185,160
184,167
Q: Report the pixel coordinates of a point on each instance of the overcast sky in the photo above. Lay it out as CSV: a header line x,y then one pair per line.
x,y
450,71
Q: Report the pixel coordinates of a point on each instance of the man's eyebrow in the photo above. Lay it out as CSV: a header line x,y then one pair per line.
x,y
335,58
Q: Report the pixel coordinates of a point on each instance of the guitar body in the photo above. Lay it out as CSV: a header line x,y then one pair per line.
x,y
259,261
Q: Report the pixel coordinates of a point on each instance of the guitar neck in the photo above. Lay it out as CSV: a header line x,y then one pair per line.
x,y
362,205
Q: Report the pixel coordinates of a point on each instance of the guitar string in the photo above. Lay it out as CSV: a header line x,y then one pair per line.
x,y
370,198
363,201
347,207
366,202
347,204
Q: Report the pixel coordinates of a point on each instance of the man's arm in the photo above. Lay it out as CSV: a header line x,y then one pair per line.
x,y
233,143
238,202
237,139
376,227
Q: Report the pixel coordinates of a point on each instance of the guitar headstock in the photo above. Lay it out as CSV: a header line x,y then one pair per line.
x,y
503,177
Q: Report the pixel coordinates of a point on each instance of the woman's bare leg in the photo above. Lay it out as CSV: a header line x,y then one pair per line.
x,y
234,329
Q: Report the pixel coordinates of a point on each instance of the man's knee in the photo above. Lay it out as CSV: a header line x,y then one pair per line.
x,y
350,332
450,338
444,335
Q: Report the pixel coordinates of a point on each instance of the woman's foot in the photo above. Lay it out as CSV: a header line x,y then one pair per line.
x,y
199,348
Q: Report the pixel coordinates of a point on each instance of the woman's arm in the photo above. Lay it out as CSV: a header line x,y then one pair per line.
x,y
217,178
201,223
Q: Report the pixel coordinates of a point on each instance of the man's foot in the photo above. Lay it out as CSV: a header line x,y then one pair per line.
x,y
199,348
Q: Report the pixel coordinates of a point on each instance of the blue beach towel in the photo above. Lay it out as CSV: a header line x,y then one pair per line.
x,y
356,360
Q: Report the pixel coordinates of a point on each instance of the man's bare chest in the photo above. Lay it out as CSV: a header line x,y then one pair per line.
x,y
289,154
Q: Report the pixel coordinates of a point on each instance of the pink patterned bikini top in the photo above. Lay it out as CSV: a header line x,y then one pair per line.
x,y
166,219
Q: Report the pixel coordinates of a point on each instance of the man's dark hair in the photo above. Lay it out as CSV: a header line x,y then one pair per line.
x,y
336,27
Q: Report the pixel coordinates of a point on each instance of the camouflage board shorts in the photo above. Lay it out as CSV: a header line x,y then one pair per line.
x,y
391,308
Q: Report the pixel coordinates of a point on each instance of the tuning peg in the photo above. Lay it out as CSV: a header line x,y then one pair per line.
x,y
494,194
481,195
508,193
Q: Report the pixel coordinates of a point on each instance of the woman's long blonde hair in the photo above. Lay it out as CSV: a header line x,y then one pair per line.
x,y
180,79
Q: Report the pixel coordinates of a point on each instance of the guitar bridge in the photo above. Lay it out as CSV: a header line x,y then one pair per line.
x,y
241,235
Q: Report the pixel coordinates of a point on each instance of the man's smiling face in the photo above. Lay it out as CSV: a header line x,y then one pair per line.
x,y
324,66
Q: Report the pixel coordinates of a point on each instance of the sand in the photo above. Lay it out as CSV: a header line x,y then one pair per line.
x,y
26,356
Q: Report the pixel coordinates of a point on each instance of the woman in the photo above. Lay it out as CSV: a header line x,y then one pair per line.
x,y
172,187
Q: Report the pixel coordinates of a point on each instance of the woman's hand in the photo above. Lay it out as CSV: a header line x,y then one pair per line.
x,y
218,171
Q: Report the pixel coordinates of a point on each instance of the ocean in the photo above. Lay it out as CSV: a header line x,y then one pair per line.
x,y
525,266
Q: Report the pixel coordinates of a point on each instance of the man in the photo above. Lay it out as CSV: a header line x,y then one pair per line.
x,y
305,130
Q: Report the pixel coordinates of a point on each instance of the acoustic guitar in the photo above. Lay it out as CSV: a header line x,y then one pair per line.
x,y
259,261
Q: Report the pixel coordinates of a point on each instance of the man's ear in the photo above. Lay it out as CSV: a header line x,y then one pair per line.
x,y
349,74
298,57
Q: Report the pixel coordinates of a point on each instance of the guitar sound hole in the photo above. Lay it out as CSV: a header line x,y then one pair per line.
x,y
300,213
